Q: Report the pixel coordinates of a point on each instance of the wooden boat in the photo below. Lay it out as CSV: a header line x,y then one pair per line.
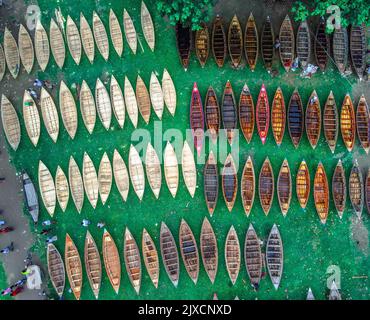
x,y
76,184
115,33
340,48
87,106
153,170
121,176
143,99
56,269
87,38
247,186
229,181
2,63
105,178
197,118
295,118
61,188
31,118
310,295
266,186
132,260
321,193
358,49
246,113
219,46
278,116
30,195
263,114
171,170
367,191
10,123
26,51
49,114
103,104
215,297
275,256
303,184
267,44
209,249
356,189
189,171
363,123
156,95
334,292
47,188
73,266
117,101
170,256
286,49
11,52
73,40
131,103
348,123
284,187
331,122
101,37
136,172
210,183
189,251
303,44
147,26
228,111
202,44
253,257
235,42
212,114
339,188
150,257
322,45
111,261
42,48
130,31
92,264
251,42
313,119
232,255
90,180
183,42
68,110
169,92
57,46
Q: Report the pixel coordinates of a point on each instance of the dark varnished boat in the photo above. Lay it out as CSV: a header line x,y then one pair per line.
x,y
367,191
228,111
131,255
358,49
253,257
263,114
331,122
251,42
303,184
219,41
295,118
232,254
313,119
322,46
183,41
363,123
211,183
278,116
284,187
92,264
275,256
348,123
212,114
246,113
229,182
209,250
340,48
286,49
248,186
339,188
303,44
235,42
266,186
197,118
267,44
321,193
356,189
202,44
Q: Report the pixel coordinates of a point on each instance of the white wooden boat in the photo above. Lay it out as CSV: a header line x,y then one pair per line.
x,y
136,172
115,33
31,118
90,179
26,51
57,45
2,63
153,170
150,256
73,267
42,48
103,105
171,170
87,38
118,102
189,171
101,37
68,109
62,188
73,40
11,53
56,269
131,103
130,31
132,260
10,123
87,105
169,92
49,114
92,264
76,184
156,95
121,176
105,178
147,26
143,99
47,188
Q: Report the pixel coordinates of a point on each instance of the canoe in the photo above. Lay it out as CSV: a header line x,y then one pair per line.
x,y
143,99
367,191
11,52
87,38
232,255
248,186
101,37
209,250
26,51
348,123
105,178
73,40
202,44
303,44
153,170
275,256
284,187
131,255
90,179
130,101
183,42
356,189
68,110
117,101
189,171
303,184
136,172
87,106
42,48
189,251
197,119
267,44
169,92
340,48
2,63
263,114
147,26
76,184
73,267
313,119
47,188
121,176
266,186
10,123
31,118
130,31
334,292
251,42
235,42
92,264
295,118
150,257
115,33
286,49
156,95
246,113
253,257
49,114
310,295
321,193
171,170
170,256
56,269
57,46
229,182
61,188
111,261
278,116
331,122
210,183
358,49
103,104
212,114
322,45
30,195
339,188
219,46
363,123
228,111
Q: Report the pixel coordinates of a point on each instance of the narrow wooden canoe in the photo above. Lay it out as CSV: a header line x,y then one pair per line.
x,y
171,170
143,99
105,178
340,48
303,44
219,45
286,49
131,103
87,38
339,188
156,95
266,186
103,104
150,257
275,256
2,63
10,123
42,48
232,254
31,118
61,188
183,42
111,261
147,26
358,49
68,110
278,116
331,122
87,105
73,267
321,193
248,186
363,123
121,176
313,119
334,292
197,118
26,51
90,179
169,92
229,113
235,42
253,257
229,182
49,114
322,45
209,249
101,36
30,196
348,123
284,187
73,40
131,255
246,113
170,256
76,184
117,101
130,31
189,171
303,184
251,42
92,264
202,44
153,170
212,114
263,114
136,172
267,44
11,52
115,33
57,46
56,269
210,183
47,188
356,189
295,118
367,191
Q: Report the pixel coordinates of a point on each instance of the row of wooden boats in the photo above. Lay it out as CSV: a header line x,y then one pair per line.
x,y
253,257
213,116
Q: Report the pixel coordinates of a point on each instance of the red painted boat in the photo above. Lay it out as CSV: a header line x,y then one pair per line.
x,y
197,118
263,114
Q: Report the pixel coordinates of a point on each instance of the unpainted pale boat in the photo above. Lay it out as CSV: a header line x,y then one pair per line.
x,y
101,37
131,103
10,123
68,109
367,191
103,104
313,119
121,176
251,42
209,250
229,181
363,123
263,114
11,52
322,45
340,48
303,184
267,44
90,180
111,261
348,123
76,184
118,102
211,183
56,269
73,267
170,256
229,113
321,193
284,187
266,186
169,92
26,51
248,186
202,44
57,46
171,170
30,195
358,49
61,188
42,48
132,260
31,118
183,43
92,264
143,99
150,257
235,42
253,257
49,114
331,122
87,38
73,40
219,45
232,255
295,118
105,178
278,116
212,115
197,119
334,292
303,43
286,49
87,105
275,256
356,189
153,170
147,26
189,171
115,33
136,172
2,62
47,188
339,188
156,95
246,113
130,31
310,295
